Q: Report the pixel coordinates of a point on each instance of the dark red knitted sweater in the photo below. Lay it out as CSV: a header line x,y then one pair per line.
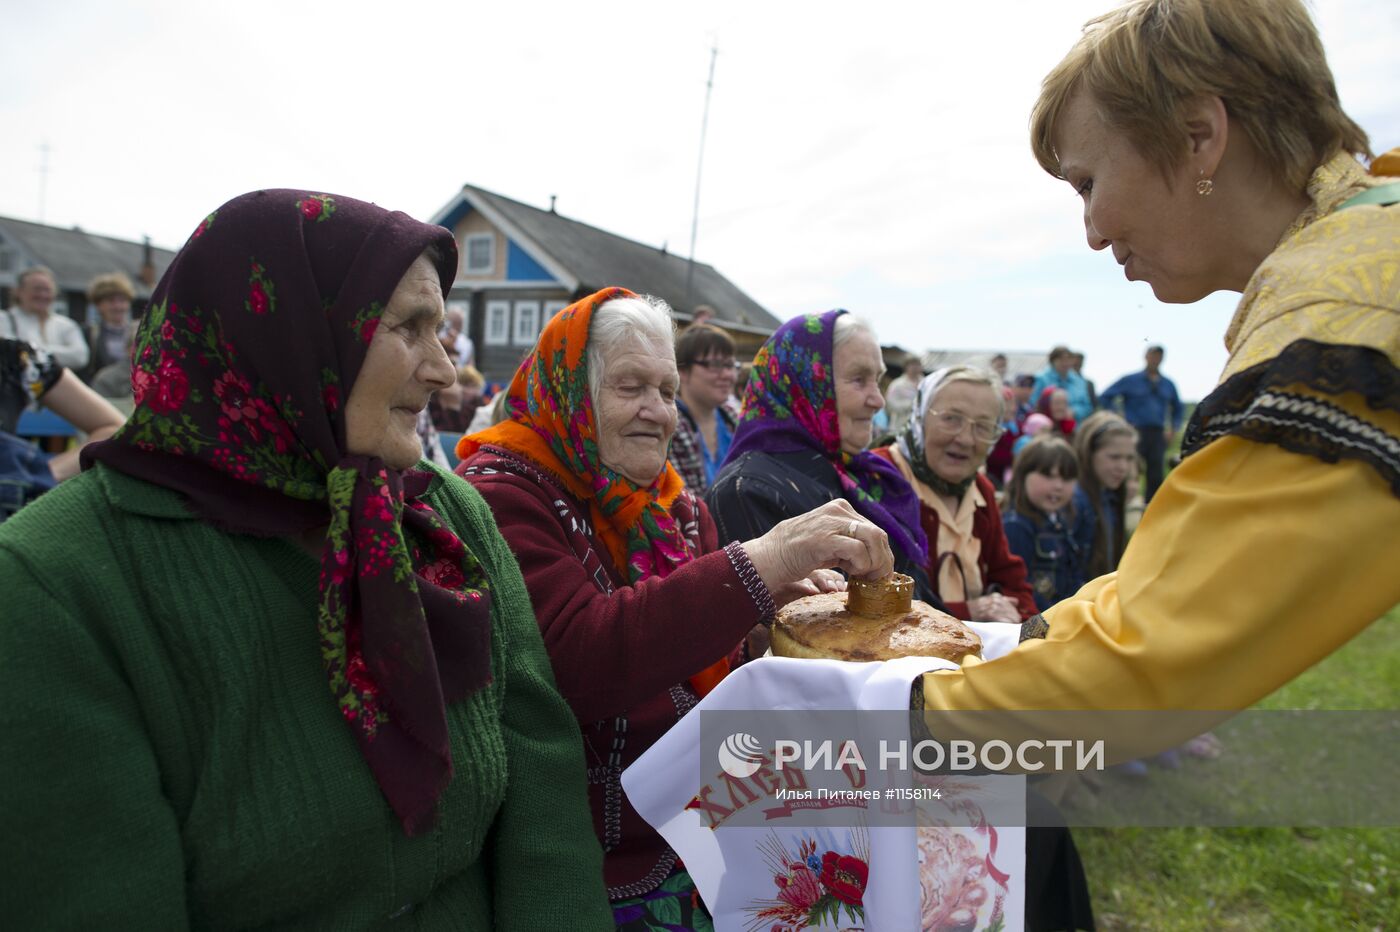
x,y
621,660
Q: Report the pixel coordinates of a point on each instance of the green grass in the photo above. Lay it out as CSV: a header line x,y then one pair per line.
x,y
1268,878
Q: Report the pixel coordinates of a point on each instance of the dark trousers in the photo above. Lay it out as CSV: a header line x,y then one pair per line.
x,y
1057,891
1152,447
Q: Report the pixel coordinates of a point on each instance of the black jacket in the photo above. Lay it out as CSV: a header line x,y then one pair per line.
x,y
756,490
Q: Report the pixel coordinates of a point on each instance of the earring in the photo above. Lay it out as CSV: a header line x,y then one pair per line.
x,y
1205,185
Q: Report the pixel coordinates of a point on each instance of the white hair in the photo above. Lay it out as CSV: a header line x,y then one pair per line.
x,y
644,322
847,326
974,374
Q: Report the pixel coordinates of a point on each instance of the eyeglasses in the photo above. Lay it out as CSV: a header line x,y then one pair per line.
x,y
718,365
951,424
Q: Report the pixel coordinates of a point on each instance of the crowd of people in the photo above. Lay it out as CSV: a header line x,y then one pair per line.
x,y
309,676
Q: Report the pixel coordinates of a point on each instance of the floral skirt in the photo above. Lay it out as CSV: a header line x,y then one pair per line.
x,y
672,907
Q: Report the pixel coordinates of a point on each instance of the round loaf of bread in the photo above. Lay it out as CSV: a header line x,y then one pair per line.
x,y
821,627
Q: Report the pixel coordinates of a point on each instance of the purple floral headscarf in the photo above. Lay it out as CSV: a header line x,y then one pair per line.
x,y
242,367
790,406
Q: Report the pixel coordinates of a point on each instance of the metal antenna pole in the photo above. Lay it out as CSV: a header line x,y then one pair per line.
x,y
43,177
699,168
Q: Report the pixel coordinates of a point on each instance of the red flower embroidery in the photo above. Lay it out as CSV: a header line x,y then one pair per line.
x,y
844,877
365,711
257,298
377,506
330,397
359,678
171,388
829,425
267,416
366,321
262,292
316,207
444,573
445,542
233,392
142,382
340,570
167,330
802,412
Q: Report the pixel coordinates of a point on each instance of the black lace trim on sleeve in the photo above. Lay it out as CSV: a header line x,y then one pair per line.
x,y
916,695
1034,627
753,584
1253,405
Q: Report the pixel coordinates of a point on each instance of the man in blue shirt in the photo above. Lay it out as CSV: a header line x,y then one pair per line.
x,y
1148,400
1060,374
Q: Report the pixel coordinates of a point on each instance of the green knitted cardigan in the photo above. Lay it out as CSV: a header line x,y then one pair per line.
x,y
170,754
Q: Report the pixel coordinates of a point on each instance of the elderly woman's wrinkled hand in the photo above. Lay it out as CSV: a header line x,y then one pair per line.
x,y
994,607
813,583
833,536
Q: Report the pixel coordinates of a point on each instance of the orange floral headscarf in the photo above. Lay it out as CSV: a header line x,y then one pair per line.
x,y
552,423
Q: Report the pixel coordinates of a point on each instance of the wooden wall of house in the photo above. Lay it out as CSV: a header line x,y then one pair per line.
x,y
475,223
746,345
498,359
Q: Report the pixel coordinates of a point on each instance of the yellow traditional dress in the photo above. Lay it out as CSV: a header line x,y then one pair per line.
x,y
1278,537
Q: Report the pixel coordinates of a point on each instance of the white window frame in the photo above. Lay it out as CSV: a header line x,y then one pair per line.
x,y
497,329
490,266
527,322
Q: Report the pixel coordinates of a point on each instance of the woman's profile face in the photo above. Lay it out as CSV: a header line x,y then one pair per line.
x,y
405,364
636,410
1114,461
1155,230
955,456
856,365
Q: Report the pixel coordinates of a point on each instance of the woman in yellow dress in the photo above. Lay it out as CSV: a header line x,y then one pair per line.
x,y
1208,145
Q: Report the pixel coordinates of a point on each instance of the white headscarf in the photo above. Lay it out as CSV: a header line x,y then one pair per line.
x,y
911,437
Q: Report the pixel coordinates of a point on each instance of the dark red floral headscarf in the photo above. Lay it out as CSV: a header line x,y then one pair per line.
x,y
243,363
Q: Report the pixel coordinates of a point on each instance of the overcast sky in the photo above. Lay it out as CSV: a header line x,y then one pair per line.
x,y
869,156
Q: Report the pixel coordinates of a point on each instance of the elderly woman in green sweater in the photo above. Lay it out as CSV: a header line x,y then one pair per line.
x,y
258,664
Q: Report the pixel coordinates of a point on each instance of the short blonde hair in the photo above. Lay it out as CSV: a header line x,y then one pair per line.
x,y
470,377
110,285
1144,62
